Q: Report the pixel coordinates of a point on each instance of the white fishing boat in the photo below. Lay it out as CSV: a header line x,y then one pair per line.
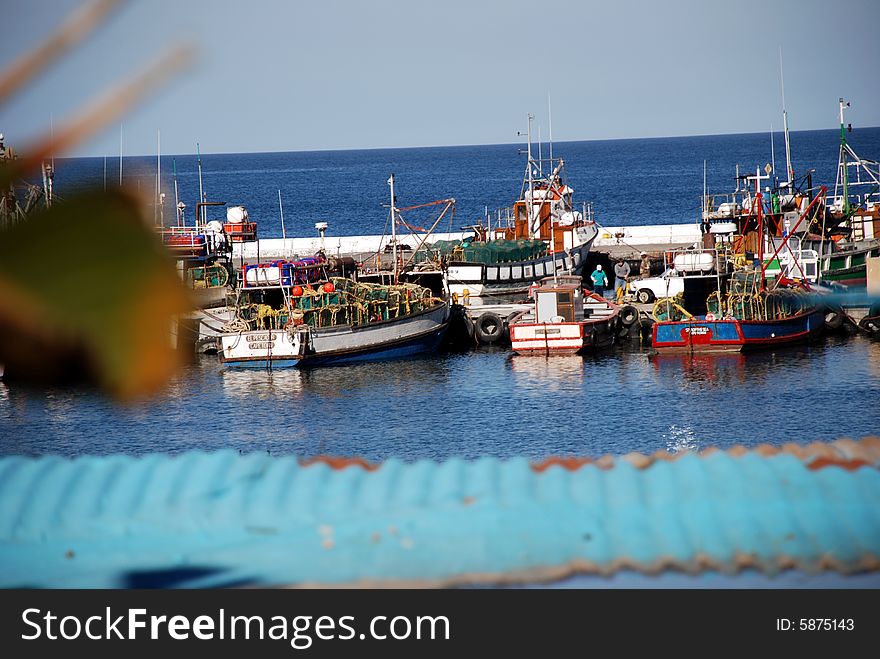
x,y
541,235
340,321
566,320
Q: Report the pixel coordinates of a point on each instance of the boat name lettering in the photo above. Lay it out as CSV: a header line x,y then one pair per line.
x,y
261,345
551,330
697,330
261,337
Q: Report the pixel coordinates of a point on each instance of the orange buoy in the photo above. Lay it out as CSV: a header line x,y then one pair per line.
x,y
329,287
296,291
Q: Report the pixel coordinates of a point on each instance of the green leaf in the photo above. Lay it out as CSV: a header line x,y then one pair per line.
x,y
88,292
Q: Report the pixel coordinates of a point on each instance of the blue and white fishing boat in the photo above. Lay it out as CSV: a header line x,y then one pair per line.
x,y
337,322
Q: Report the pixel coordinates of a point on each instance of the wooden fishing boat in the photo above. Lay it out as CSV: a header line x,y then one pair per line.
x,y
338,322
710,334
565,320
848,266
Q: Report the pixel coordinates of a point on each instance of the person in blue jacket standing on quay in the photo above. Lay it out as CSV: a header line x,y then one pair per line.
x,y
600,281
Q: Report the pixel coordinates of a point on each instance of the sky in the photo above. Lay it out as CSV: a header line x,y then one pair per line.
x,y
299,75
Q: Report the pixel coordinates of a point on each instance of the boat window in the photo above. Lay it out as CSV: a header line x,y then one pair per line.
x,y
528,272
566,264
857,259
516,272
539,270
491,274
564,298
505,272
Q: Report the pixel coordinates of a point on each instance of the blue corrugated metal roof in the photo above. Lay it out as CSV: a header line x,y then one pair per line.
x,y
224,519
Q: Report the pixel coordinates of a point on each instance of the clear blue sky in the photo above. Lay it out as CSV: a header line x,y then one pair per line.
x,y
279,75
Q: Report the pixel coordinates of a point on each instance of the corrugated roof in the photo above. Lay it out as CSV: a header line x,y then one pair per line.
x,y
225,519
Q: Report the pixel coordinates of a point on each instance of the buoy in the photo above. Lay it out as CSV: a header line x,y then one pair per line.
x,y
329,287
296,291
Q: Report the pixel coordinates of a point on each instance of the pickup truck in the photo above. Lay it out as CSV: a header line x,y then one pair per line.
x,y
669,284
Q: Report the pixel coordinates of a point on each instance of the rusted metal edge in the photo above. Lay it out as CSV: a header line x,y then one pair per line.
x,y
845,453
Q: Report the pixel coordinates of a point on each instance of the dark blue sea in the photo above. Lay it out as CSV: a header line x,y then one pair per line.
x,y
486,402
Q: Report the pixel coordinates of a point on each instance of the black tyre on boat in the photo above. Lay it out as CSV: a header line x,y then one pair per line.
x,y
629,315
833,320
488,327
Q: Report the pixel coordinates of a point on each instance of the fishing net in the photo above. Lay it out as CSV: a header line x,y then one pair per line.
x,y
495,251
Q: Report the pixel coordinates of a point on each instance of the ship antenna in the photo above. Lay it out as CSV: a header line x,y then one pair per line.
x,y
789,172
550,116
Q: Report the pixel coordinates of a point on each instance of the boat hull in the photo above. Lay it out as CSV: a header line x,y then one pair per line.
x,y
733,335
261,349
344,344
564,338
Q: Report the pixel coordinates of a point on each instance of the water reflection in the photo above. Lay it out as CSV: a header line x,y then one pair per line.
x,y
713,370
331,381
873,356
262,384
550,373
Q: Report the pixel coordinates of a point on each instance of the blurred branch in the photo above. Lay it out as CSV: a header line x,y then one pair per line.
x,y
102,112
75,29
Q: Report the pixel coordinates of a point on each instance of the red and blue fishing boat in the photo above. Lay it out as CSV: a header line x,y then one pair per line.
x,y
702,334
753,312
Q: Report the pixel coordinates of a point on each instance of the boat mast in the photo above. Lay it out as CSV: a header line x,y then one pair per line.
x,y
176,195
843,159
393,227
758,205
529,168
705,193
201,189
550,115
281,210
789,172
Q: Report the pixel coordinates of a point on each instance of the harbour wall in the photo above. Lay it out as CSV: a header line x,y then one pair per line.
x,y
651,238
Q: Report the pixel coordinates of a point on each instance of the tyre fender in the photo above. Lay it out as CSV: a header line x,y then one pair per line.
x,y
489,327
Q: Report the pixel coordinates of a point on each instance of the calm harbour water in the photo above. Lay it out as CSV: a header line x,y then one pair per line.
x,y
487,402
483,403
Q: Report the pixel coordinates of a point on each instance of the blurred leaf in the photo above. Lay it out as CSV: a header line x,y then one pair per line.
x,y
88,292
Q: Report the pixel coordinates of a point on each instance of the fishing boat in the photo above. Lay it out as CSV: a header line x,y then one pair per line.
x,y
337,322
853,215
541,235
566,320
746,310
847,265
786,320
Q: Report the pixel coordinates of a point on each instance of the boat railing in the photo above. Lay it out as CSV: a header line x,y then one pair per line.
x,y
193,242
727,205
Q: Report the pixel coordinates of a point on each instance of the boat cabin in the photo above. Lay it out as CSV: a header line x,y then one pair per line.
x,y
561,301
